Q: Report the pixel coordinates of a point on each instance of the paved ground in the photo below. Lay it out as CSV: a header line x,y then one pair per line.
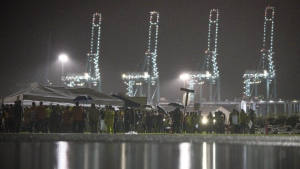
x,y
274,140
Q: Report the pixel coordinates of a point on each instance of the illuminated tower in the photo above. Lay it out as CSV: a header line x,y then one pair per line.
x,y
148,73
91,77
265,71
209,71
94,79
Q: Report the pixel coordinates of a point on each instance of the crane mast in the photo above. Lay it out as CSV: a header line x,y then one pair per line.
x,y
209,71
91,77
213,44
265,71
93,56
148,73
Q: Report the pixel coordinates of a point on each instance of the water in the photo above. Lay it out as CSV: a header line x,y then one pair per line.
x,y
148,155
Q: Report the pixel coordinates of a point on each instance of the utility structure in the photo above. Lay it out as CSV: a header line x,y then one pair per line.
x,y
93,57
91,78
147,73
265,71
209,70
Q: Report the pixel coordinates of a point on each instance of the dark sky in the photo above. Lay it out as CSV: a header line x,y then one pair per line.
x,y
182,40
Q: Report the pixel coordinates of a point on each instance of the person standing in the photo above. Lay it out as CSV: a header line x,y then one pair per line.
x,y
200,127
94,118
102,124
176,119
109,119
252,117
189,126
77,114
160,122
210,123
234,121
32,117
115,121
10,118
195,122
17,114
149,122
47,119
26,118
66,120
41,116
218,118
127,120
120,121
243,119
55,120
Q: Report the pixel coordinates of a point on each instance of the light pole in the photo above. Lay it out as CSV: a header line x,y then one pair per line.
x,y
63,58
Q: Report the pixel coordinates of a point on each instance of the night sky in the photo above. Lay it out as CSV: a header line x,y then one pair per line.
x,y
27,25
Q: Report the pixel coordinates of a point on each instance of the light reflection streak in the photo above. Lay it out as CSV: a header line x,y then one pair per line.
x,y
62,155
214,155
86,155
96,156
244,156
204,155
146,156
184,155
123,158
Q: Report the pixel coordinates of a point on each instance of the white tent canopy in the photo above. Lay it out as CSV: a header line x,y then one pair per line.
x,y
60,95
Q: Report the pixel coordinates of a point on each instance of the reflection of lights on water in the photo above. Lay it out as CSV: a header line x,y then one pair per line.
x,y
214,155
204,153
184,155
123,158
206,156
62,155
245,159
86,155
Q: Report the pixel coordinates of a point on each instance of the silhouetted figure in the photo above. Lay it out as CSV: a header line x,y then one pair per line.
x,y
41,116
94,118
32,118
210,123
66,120
177,115
17,115
77,114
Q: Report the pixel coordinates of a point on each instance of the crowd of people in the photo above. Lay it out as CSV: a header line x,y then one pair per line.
x,y
77,119
194,122
240,122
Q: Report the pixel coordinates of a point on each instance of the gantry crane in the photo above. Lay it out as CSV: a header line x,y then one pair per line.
x,y
209,70
265,71
148,73
93,57
91,78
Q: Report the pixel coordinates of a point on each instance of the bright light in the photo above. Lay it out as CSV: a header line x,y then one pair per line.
x,y
204,120
63,57
184,76
208,74
86,75
146,75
